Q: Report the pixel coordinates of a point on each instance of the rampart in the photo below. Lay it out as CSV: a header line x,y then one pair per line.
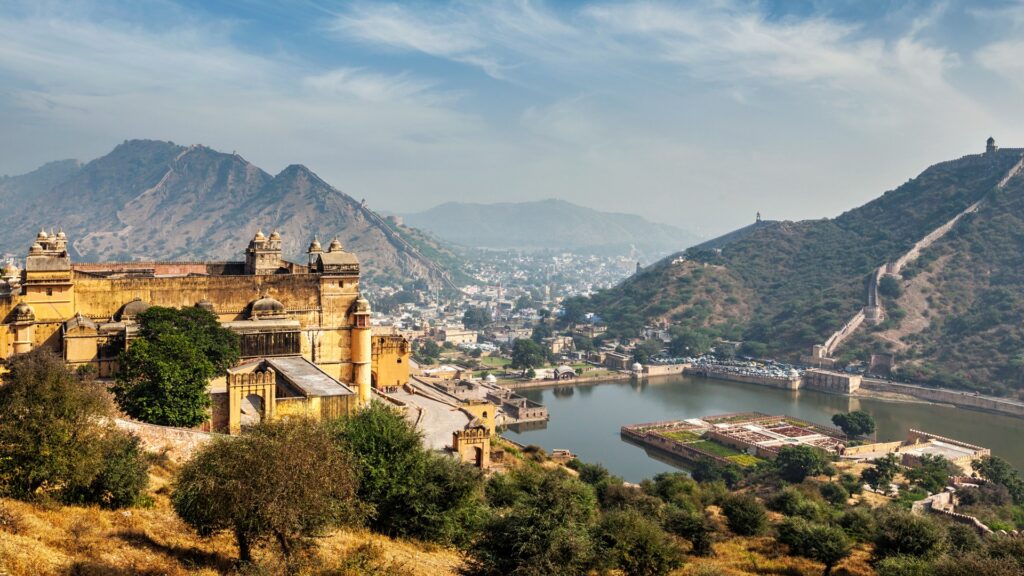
x,y
941,395
178,443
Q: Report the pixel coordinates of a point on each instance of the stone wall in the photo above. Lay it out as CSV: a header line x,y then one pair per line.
x,y
178,443
957,398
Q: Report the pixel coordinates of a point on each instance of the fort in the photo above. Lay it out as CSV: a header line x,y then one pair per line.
x,y
304,329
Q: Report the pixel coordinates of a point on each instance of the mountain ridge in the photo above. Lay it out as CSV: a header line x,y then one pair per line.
x,y
548,224
159,200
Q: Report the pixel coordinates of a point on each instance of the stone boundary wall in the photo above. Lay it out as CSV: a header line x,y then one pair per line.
x,y
664,369
877,447
179,443
955,397
919,434
782,383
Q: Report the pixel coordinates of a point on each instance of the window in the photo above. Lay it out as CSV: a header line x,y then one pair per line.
x,y
49,291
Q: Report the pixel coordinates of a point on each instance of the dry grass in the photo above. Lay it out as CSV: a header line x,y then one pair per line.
x,y
43,540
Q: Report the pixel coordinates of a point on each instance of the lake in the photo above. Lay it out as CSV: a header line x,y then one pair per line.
x,y
586,418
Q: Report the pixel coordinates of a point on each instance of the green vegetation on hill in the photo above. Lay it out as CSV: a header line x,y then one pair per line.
x,y
786,286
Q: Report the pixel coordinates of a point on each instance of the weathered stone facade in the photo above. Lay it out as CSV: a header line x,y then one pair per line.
x,y
85,312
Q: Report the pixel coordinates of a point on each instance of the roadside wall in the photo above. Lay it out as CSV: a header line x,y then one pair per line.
x,y
963,399
179,443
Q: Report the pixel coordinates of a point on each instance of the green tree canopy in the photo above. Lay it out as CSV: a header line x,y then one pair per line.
x,y
856,423
164,372
476,318
795,463
286,481
744,514
826,544
56,438
526,354
882,473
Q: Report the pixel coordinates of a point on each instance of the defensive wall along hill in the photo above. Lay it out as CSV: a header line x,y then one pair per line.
x,y
873,311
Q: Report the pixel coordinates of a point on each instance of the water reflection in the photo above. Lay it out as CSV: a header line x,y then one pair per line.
x,y
588,420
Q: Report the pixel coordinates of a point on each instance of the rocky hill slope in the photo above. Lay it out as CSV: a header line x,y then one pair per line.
x,y
550,224
158,200
794,283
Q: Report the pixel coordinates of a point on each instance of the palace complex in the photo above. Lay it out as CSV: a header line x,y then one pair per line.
x,y
304,325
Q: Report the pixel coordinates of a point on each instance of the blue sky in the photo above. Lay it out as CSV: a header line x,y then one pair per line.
x,y
696,114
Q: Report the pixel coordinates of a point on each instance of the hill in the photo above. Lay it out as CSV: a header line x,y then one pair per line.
x,y
793,284
158,200
549,224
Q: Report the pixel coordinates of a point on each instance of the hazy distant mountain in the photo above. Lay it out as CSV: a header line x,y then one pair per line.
x,y
157,200
548,224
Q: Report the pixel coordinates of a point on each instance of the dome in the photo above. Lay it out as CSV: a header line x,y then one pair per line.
x,y
24,313
36,248
275,235
132,309
335,246
361,306
61,235
10,270
42,235
638,367
266,307
314,246
490,379
259,236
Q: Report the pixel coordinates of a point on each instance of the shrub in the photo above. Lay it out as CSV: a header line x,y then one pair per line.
x,y
123,475
859,524
693,526
976,565
56,440
825,544
744,514
881,475
413,493
796,463
903,566
637,545
855,423
901,533
834,493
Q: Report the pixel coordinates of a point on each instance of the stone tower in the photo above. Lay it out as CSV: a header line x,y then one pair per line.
x,y
362,356
990,145
263,256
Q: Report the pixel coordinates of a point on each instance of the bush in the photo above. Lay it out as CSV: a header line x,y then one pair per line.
x,y
796,463
57,441
904,566
834,493
637,545
901,533
819,542
693,526
859,524
413,493
287,479
543,524
122,477
976,565
962,538
744,514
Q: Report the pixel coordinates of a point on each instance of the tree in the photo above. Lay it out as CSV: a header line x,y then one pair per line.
x,y
834,493
56,439
890,287
903,533
218,344
413,493
999,471
688,342
795,463
882,473
819,542
856,423
430,349
647,349
744,514
693,526
526,354
164,372
476,318
931,472
543,524
285,480
636,544
540,332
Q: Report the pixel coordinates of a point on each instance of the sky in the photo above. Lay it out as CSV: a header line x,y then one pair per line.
x,y
697,114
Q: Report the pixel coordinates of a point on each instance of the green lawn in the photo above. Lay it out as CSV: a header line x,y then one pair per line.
x,y
682,435
744,459
494,361
716,449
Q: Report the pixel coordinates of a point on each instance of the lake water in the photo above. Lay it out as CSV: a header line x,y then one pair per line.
x,y
586,418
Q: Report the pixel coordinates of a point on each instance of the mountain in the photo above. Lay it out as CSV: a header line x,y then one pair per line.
x,y
953,316
157,200
548,224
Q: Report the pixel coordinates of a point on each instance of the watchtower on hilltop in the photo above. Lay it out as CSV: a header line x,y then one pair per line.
x,y
990,145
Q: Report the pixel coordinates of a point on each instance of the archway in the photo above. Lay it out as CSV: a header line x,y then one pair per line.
x,y
251,410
